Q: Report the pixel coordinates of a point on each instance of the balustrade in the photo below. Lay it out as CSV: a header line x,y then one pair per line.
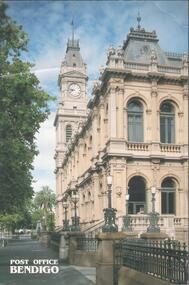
x,y
138,146
169,69
170,148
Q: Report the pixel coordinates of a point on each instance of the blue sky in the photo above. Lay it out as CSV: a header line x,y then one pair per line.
x,y
98,24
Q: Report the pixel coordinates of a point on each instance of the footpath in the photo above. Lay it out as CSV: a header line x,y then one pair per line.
x,y
29,249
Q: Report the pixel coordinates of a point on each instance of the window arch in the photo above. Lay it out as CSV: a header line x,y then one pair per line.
x,y
168,189
135,121
137,195
167,123
68,132
90,140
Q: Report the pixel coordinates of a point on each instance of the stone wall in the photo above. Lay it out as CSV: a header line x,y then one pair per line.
x,y
84,258
128,276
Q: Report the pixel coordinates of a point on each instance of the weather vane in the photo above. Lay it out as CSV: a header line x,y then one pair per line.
x,y
138,20
72,24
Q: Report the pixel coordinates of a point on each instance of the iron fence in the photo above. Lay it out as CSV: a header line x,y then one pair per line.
x,y
87,243
167,260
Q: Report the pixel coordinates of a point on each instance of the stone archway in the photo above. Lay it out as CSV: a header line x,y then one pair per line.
x,y
137,195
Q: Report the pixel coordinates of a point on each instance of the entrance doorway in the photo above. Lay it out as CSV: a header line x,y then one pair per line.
x,y
137,195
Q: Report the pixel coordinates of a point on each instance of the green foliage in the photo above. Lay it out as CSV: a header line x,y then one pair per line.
x,y
23,107
9,222
43,204
50,222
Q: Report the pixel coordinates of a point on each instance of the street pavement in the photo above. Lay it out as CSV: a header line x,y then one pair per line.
x,y
29,249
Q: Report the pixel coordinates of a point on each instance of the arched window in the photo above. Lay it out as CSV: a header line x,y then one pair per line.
x,y
68,133
90,141
168,189
167,123
135,121
137,195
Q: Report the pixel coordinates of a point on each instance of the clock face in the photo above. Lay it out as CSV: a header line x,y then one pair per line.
x,y
74,90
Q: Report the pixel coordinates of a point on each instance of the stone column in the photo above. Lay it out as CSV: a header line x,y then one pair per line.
x,y
148,200
96,196
45,238
64,247
104,261
154,116
94,132
120,122
73,245
112,113
102,126
185,116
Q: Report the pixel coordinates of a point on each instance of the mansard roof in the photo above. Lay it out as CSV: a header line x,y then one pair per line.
x,y
140,44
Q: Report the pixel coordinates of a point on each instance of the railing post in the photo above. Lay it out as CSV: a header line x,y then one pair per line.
x,y
64,247
104,264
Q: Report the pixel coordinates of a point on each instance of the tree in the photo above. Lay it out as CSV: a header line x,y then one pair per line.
x,y
9,222
23,107
44,203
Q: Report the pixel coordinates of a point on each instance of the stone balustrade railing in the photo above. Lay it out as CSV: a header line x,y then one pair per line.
x,y
146,67
169,69
138,146
141,221
170,148
166,148
180,222
174,54
132,65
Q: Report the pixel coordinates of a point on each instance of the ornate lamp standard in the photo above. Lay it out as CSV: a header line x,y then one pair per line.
x,y
109,213
75,219
126,219
153,216
65,221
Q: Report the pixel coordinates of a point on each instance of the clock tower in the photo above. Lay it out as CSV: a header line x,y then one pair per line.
x,y
72,103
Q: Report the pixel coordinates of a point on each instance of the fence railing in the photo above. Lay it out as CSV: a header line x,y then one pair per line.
x,y
87,243
167,260
15,236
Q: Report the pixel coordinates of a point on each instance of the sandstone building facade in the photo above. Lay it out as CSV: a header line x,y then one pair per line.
x,y
135,126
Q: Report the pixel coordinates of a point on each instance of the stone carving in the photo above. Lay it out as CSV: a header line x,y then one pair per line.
x,y
111,51
118,191
115,52
153,56
96,83
185,60
119,51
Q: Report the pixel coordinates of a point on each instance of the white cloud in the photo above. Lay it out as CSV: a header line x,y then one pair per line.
x,y
44,163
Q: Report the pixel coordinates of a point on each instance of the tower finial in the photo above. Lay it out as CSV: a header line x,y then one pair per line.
x,y
72,24
138,20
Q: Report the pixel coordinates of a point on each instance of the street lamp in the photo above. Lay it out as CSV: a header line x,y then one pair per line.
x,y
109,213
65,221
75,219
153,216
126,219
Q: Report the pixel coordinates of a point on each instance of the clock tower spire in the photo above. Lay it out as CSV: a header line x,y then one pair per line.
x,y
72,102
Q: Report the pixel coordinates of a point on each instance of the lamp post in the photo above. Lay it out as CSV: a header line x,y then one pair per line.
x,y
109,213
153,216
75,219
126,219
65,221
